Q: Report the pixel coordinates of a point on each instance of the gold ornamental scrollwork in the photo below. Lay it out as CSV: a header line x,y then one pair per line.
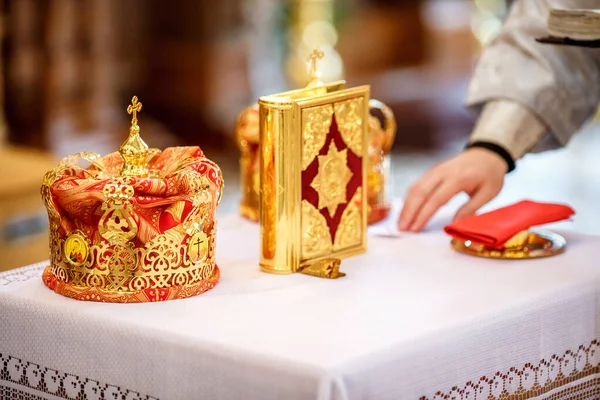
x,y
162,262
349,122
93,158
349,232
116,224
315,127
161,256
316,238
332,179
53,215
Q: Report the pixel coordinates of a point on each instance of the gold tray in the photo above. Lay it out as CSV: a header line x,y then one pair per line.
x,y
538,244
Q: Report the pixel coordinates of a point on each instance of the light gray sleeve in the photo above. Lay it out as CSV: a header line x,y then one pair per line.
x,y
507,124
559,85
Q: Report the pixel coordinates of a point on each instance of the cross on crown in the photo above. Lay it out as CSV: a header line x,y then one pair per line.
x,y
134,108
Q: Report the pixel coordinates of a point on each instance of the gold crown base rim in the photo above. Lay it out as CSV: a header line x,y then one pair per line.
x,y
97,294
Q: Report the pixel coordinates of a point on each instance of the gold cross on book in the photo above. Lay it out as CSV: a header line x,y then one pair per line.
x,y
314,72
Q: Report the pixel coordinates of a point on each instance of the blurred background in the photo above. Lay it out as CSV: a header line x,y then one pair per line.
x,y
70,67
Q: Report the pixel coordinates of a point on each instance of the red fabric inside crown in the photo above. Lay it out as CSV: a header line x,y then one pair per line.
x,y
158,204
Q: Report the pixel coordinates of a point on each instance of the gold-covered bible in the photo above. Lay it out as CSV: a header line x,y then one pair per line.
x,y
313,175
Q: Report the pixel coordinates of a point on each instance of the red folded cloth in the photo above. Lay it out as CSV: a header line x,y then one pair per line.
x,y
495,228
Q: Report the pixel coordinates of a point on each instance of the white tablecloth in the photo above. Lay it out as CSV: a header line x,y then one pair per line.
x,y
411,320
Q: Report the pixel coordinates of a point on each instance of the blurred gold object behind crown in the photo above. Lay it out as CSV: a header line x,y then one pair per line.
x,y
380,138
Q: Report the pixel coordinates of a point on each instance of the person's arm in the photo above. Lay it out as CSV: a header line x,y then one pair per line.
x,y
510,126
540,89
557,85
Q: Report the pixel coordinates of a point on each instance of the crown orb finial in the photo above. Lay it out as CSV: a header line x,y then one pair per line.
x,y
134,151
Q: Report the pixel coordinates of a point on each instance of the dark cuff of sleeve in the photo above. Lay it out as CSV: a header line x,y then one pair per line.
x,y
501,151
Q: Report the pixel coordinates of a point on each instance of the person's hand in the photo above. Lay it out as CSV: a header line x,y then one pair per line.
x,y
476,171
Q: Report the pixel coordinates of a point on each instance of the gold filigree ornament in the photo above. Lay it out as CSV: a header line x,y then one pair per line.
x,y
316,122
316,238
349,232
201,201
135,226
117,225
332,179
93,158
349,122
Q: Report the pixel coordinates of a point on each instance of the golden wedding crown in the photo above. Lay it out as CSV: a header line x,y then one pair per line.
x,y
134,226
